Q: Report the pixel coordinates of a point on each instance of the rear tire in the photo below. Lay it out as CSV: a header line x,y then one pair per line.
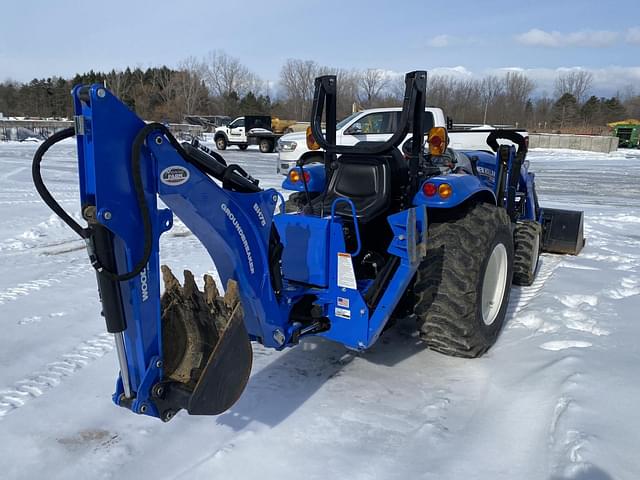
x,y
221,143
243,147
527,240
462,286
266,146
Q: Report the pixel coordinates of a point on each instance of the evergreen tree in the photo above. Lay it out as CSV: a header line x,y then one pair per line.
x,y
565,111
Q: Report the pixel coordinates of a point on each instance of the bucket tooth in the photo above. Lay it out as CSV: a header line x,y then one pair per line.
x,y
206,347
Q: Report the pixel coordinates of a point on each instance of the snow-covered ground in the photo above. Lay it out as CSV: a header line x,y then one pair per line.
x,y
556,398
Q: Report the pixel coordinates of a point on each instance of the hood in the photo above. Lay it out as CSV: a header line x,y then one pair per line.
x,y
294,137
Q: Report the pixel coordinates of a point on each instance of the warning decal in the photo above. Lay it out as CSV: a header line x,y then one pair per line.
x,y
343,313
346,275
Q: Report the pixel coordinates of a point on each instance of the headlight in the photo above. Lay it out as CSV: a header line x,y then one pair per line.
x,y
286,146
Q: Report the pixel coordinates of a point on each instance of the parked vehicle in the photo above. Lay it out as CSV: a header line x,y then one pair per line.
x,y
376,125
628,133
261,130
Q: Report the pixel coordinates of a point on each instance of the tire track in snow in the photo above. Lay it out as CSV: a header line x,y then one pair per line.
x,y
522,296
53,373
11,173
26,288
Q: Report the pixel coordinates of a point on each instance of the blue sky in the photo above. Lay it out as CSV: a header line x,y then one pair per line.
x,y
467,38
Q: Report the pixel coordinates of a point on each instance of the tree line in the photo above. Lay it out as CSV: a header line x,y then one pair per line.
x,y
220,84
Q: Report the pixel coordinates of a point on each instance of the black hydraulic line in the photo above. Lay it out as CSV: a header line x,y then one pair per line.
x,y
104,266
42,189
87,233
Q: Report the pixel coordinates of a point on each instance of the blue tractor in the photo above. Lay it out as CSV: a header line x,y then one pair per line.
x,y
377,232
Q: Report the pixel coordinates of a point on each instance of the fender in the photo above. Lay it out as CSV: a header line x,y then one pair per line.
x,y
315,183
463,187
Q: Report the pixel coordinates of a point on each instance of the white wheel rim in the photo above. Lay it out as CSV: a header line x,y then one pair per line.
x,y
494,283
536,254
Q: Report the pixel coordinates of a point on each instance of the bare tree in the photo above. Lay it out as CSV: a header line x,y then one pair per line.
x,y
225,74
297,80
577,83
518,88
371,83
189,85
118,83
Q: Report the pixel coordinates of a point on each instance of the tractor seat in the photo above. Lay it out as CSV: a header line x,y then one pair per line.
x,y
372,183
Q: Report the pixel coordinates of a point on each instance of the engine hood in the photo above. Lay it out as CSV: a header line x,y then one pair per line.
x,y
294,137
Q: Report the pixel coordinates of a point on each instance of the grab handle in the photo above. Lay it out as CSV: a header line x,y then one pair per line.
x,y
355,219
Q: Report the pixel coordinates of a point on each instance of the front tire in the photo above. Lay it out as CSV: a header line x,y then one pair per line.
x,y
462,286
527,240
266,146
221,143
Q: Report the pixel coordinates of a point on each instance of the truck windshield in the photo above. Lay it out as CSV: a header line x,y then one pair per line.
x,y
344,121
428,120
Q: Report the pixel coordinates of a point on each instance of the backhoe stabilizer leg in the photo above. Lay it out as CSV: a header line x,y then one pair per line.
x,y
206,348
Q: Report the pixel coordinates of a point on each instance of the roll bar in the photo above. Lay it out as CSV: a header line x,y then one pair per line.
x,y
413,106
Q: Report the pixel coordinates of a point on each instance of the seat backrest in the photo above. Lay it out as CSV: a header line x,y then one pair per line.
x,y
372,184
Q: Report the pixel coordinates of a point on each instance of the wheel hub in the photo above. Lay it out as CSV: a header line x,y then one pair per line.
x,y
494,283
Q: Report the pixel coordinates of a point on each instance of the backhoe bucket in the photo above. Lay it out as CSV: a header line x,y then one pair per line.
x,y
562,231
207,352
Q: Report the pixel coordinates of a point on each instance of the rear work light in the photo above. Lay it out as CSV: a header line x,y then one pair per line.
x,y
311,141
437,141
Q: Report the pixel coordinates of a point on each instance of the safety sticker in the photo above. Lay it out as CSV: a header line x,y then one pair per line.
x,y
346,275
343,302
343,313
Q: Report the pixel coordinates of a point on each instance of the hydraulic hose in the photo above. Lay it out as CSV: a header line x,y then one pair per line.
x,y
86,233
42,189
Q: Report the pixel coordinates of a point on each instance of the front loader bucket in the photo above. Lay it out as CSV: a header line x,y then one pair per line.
x,y
562,231
206,347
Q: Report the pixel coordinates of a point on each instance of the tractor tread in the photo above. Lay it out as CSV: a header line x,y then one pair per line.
x,y
524,243
446,283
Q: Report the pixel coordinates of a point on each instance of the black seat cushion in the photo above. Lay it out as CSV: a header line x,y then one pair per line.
x,y
371,182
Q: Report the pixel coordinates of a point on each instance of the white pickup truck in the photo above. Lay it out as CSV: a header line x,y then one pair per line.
x,y
245,131
376,125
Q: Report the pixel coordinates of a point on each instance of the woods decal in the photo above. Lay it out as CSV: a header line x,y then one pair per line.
x,y
174,176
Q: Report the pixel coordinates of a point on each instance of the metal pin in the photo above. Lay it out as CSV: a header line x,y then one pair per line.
x,y
122,360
